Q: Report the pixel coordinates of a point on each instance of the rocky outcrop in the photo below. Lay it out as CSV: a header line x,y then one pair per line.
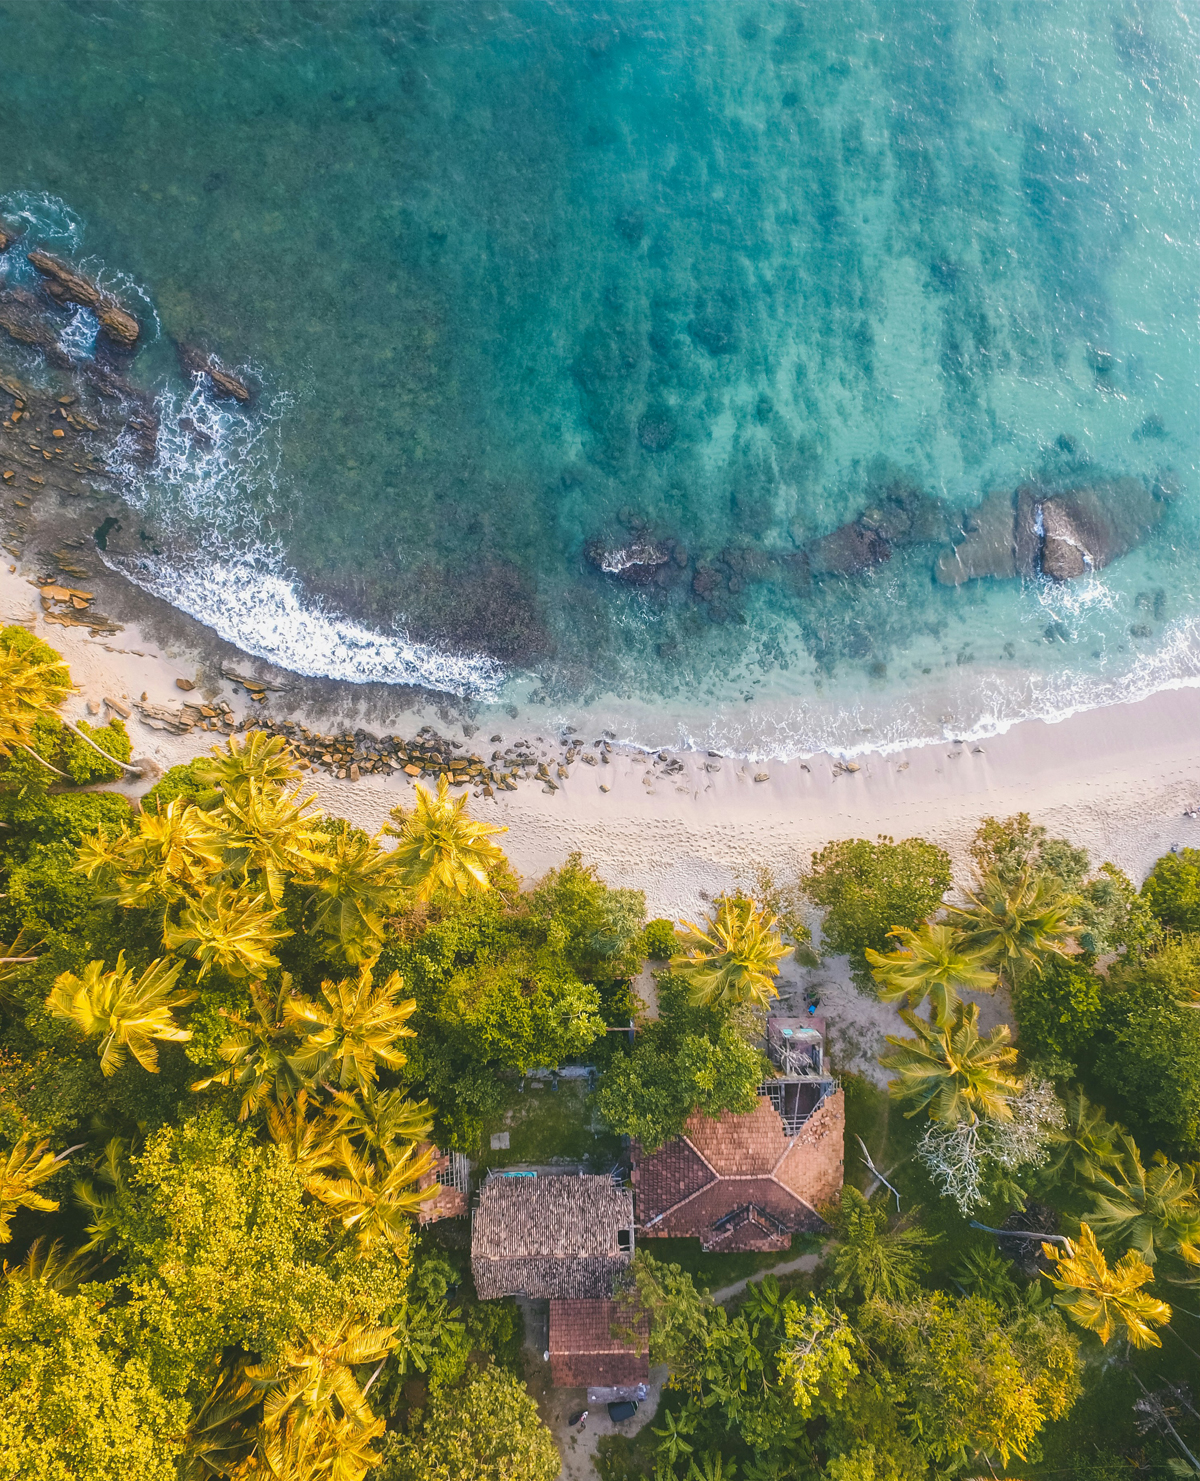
x,y
848,551
902,514
65,286
23,318
196,362
637,563
1061,534
8,235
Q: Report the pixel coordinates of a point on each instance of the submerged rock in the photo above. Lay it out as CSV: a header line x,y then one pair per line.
x,y
196,362
637,562
848,551
8,235
65,285
1059,534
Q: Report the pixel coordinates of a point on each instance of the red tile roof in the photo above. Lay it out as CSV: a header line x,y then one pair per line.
x,y
729,1163
585,1354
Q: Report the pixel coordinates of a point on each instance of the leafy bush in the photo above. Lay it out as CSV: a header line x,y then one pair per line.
x,y
1173,890
867,889
1058,1014
1146,1052
178,781
659,938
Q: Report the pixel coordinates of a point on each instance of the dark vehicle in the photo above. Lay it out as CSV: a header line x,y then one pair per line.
x,y
623,1410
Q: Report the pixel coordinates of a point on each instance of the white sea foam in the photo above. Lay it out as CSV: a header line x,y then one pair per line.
x,y
261,612
211,492
47,219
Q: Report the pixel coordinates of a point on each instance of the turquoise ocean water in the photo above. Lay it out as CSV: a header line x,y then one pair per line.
x,y
530,287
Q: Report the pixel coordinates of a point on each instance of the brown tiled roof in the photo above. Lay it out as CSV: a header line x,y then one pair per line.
x,y
585,1354
727,1163
554,1237
740,1145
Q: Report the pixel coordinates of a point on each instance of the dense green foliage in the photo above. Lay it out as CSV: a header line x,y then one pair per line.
x,y
1172,890
689,1059
868,889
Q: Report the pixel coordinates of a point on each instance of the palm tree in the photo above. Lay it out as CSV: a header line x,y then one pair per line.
x,y
353,1030
952,1070
1151,1209
381,1119
1083,1146
312,1145
269,832
256,1051
376,1203
32,687
1103,1300
104,1203
124,1014
440,847
1017,926
23,1170
983,1271
931,962
51,1265
221,1438
169,854
266,760
732,958
875,1258
230,929
354,885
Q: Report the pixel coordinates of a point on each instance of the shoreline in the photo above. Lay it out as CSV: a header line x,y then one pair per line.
x,y
1117,780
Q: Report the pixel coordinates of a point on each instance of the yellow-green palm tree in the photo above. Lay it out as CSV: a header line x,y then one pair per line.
x,y
167,855
52,1265
1019,925
354,886
229,929
353,1030
104,1202
381,1120
312,1142
931,962
374,1203
256,1051
221,1437
440,847
25,1168
266,760
952,1071
1103,1299
123,1013
32,686
316,1422
733,957
1152,1209
270,832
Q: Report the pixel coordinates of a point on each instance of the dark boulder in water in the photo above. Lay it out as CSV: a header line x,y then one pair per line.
x,y
637,563
196,362
1061,534
8,235
23,318
65,285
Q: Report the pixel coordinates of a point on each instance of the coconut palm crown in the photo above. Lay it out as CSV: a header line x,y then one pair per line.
x,y
952,1071
440,847
1104,1299
121,1013
1153,1209
931,962
732,958
1019,925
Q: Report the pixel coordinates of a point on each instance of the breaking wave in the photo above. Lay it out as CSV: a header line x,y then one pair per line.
x,y
211,494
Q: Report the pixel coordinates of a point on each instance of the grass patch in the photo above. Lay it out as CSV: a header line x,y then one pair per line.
x,y
549,1126
712,1272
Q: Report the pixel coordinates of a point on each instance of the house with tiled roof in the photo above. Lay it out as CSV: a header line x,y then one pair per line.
x,y
584,1353
557,1238
749,1182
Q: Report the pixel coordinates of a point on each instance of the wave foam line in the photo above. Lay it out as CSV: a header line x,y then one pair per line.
x,y
261,613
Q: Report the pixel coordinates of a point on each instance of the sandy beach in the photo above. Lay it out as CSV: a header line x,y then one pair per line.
x,y
1119,780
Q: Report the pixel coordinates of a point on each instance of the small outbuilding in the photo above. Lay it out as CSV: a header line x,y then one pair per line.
x,y
584,1353
556,1238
